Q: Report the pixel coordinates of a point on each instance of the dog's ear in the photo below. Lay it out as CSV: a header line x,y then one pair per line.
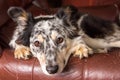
x,y
19,15
24,19
69,15
67,12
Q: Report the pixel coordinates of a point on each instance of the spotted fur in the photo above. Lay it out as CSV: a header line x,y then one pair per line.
x,y
53,38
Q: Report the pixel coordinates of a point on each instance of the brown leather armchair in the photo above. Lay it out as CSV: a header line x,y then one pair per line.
x,y
105,66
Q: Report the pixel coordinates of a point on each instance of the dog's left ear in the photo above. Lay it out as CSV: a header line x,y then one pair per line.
x,y
67,12
19,15
69,15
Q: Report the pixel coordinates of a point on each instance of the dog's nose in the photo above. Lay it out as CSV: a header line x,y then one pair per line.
x,y
52,69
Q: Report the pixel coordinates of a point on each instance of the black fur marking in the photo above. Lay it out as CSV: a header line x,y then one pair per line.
x,y
73,34
66,23
24,38
74,18
61,14
75,15
43,19
96,27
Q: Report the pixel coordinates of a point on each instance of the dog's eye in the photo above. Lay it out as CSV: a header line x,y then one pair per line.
x,y
59,40
37,43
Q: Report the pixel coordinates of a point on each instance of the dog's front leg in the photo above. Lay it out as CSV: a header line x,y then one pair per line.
x,y
79,48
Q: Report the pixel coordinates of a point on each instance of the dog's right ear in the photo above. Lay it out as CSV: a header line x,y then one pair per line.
x,y
18,15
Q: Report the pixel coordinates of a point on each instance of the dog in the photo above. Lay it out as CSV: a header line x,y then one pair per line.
x,y
53,38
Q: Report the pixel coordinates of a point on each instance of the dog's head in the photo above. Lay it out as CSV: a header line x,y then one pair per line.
x,y
50,38
49,43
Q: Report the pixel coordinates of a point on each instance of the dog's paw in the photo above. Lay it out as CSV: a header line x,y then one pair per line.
x,y
82,51
22,52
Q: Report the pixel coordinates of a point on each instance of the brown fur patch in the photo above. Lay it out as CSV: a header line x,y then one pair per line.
x,y
24,14
40,38
54,35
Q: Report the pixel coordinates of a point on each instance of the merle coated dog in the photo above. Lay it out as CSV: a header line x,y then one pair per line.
x,y
53,38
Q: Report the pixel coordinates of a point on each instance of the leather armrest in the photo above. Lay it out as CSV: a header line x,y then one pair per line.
x,y
98,67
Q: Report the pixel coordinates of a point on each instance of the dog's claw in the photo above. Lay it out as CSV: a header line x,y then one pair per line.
x,y
22,52
83,51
